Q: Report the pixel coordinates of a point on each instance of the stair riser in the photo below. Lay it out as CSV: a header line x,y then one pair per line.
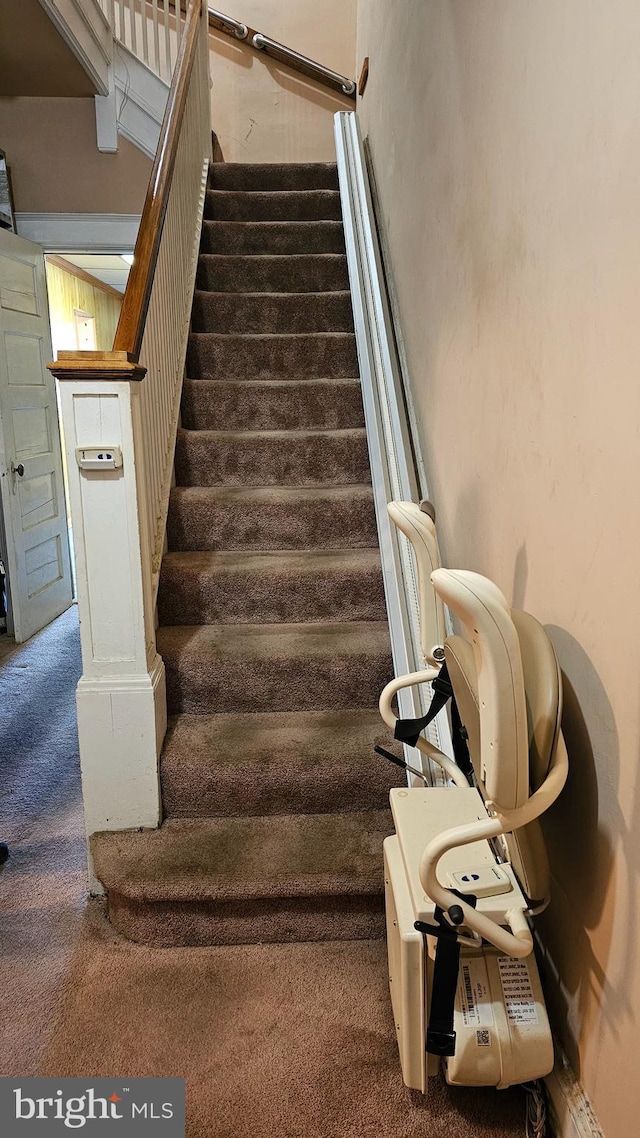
x,y
191,789
200,524
214,356
299,205
276,313
267,460
207,685
273,176
249,598
275,237
175,924
271,833
208,405
327,273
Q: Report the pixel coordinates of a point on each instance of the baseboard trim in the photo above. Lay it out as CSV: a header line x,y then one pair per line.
x,y
80,232
572,1115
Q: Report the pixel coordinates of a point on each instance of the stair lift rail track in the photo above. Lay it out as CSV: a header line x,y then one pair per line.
x,y
390,446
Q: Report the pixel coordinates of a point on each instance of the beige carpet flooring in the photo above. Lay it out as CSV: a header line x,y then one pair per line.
x,y
289,1040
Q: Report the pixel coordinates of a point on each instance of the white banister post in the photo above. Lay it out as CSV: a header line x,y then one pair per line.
x,y
121,696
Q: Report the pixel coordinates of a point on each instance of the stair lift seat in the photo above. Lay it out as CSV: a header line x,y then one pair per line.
x,y
467,860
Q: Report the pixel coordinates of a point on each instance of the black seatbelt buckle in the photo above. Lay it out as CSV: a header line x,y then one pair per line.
x,y
441,1042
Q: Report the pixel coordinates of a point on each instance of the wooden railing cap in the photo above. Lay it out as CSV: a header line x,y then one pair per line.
x,y
96,366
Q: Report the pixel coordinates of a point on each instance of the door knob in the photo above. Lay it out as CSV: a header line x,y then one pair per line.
x,y
19,469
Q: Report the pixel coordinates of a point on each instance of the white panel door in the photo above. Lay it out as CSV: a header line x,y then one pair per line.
x,y
30,459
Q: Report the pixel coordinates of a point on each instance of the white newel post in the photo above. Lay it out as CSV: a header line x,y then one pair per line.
x,y
121,697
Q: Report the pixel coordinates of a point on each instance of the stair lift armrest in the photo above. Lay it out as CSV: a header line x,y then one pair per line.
x,y
451,769
517,943
417,523
542,799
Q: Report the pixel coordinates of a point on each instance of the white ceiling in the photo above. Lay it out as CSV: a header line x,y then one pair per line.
x,y
107,267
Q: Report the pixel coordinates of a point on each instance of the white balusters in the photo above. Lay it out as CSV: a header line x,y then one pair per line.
x,y
150,29
167,326
119,519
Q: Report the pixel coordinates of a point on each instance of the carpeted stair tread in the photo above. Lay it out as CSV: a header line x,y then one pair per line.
x,y
271,458
299,272
243,859
273,176
275,237
271,404
215,355
273,205
309,762
216,668
280,517
278,312
278,586
271,603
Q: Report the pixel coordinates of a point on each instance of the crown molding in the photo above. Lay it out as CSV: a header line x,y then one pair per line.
x,y
80,232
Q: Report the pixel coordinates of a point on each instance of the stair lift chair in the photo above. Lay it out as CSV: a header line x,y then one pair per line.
x,y
467,866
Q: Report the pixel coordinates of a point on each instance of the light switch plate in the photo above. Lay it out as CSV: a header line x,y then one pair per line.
x,y
99,458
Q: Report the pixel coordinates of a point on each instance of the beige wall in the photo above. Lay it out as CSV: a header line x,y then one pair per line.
x,y
261,110
505,140
56,166
34,58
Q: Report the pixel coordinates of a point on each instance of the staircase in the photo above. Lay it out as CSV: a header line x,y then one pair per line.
x,y
272,618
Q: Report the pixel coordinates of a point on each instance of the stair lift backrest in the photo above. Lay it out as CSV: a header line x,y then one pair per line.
x,y
543,696
504,741
420,530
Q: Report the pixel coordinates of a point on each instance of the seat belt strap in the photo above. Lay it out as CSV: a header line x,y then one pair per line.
x,y
408,730
441,1038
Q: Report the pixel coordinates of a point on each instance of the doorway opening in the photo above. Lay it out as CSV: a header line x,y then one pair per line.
x,y
48,303
85,291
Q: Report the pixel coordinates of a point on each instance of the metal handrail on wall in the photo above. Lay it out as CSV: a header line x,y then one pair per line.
x,y
283,54
288,55
240,31
152,31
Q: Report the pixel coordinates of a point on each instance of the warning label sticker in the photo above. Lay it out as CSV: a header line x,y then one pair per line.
x,y
519,999
473,997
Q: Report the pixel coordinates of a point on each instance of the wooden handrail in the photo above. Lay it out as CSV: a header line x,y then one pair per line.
x,y
133,314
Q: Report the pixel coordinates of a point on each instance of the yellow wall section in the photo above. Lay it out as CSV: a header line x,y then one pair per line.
x,y
67,292
505,140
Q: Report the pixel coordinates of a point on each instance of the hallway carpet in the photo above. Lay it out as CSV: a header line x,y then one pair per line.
x,y
289,1040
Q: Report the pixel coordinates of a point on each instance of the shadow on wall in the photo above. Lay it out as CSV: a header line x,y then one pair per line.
x,y
592,843
292,81
577,929
520,577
